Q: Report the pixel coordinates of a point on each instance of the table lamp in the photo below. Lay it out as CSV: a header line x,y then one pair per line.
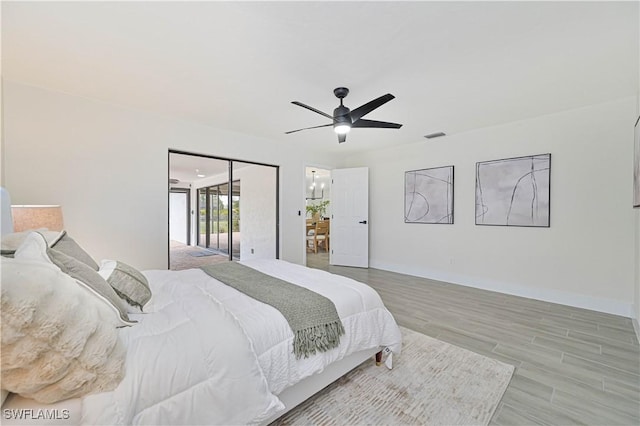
x,y
34,217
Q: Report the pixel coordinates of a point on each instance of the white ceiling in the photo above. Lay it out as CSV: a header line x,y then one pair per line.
x,y
452,66
186,168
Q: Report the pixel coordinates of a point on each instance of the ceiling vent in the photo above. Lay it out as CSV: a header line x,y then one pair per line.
x,y
435,135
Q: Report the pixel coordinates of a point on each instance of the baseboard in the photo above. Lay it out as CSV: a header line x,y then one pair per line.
x,y
609,306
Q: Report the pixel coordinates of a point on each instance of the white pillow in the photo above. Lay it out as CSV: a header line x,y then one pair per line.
x,y
59,240
11,242
58,340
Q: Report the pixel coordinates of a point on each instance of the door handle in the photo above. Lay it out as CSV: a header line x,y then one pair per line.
x,y
364,222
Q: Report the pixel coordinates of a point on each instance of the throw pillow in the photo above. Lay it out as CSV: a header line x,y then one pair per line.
x,y
128,283
68,246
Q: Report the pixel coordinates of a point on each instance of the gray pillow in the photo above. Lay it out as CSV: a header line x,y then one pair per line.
x,y
68,246
128,283
87,276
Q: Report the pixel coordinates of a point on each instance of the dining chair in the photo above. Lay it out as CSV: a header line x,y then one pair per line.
x,y
320,236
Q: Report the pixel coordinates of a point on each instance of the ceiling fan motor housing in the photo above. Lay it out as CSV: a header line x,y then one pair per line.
x,y
341,115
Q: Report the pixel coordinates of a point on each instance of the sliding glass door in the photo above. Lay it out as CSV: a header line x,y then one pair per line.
x,y
235,205
216,217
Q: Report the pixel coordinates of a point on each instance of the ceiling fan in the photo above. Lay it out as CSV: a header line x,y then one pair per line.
x,y
344,119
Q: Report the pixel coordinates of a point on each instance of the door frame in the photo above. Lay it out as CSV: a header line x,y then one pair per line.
x,y
348,219
230,181
303,212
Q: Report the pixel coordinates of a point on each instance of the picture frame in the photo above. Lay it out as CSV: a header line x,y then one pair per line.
x,y
428,195
514,191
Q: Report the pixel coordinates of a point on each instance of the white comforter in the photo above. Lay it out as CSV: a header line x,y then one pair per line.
x,y
208,354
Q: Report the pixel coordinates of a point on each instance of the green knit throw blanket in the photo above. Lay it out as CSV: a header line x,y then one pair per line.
x,y
312,317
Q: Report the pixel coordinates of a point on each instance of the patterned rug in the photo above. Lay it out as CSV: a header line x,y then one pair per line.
x,y
432,383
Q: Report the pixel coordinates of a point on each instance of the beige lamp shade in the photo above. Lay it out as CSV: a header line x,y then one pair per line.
x,y
34,217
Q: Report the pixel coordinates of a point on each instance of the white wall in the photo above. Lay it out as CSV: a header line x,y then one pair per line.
x,y
85,155
107,166
586,258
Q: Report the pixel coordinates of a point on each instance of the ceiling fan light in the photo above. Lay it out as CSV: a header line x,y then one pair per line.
x,y
342,129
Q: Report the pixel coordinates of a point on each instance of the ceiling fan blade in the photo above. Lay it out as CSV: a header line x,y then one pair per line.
x,y
375,124
307,128
330,117
365,109
342,137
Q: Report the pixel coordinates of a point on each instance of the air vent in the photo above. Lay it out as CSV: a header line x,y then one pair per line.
x,y
435,135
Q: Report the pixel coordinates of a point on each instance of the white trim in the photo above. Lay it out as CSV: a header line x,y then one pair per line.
x,y
609,306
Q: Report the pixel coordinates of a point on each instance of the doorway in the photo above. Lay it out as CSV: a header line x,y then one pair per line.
x,y
318,214
179,208
221,225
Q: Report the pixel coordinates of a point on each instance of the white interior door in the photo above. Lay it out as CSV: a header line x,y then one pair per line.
x,y
178,216
349,234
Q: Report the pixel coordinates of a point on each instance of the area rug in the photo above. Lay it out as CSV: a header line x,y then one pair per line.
x,y
201,253
431,383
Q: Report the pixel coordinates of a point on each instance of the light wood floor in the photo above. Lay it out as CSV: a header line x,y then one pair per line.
x,y
573,366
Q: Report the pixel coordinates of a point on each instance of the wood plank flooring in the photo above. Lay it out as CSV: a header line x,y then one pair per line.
x,y
573,366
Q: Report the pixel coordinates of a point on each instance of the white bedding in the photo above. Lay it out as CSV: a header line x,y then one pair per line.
x,y
185,365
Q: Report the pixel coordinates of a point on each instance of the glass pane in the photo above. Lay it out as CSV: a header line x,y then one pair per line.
x,y
223,217
213,218
202,217
235,219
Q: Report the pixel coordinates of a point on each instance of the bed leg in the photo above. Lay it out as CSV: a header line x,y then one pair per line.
x,y
379,358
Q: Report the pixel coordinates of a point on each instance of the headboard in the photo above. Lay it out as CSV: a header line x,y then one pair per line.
x,y
6,226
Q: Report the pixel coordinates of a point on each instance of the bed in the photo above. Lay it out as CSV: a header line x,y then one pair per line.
x,y
202,352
